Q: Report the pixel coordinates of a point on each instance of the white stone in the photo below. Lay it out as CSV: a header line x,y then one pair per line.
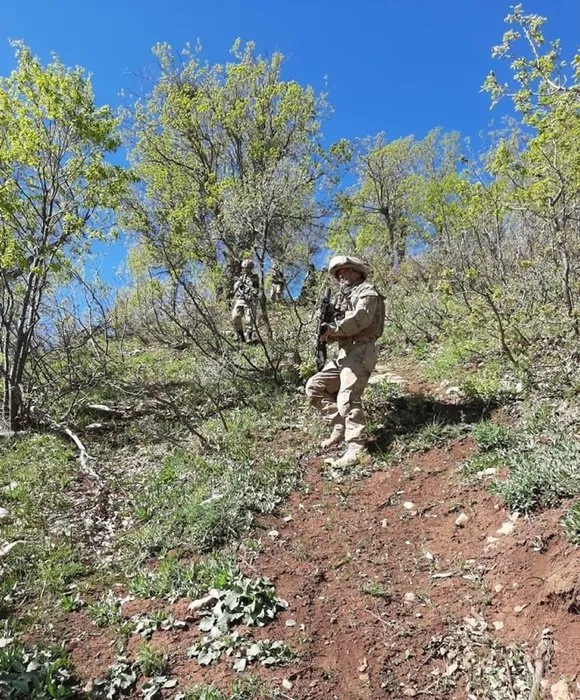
x,y
287,684
498,624
410,597
559,691
409,505
462,520
3,513
507,528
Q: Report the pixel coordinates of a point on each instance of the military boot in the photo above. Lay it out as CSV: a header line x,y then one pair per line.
x,y
335,438
355,454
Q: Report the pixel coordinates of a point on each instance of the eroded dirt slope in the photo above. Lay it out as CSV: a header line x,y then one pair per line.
x,y
405,583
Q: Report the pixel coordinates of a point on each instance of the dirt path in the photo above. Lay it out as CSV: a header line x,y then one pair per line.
x,y
391,596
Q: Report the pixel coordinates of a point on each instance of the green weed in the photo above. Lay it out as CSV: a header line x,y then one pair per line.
x,y
151,662
571,523
35,673
541,477
174,579
490,436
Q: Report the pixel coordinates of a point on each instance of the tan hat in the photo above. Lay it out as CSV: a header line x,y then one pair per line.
x,y
247,263
339,261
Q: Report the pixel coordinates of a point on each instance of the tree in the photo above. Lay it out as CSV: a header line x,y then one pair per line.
x,y
545,176
56,194
231,165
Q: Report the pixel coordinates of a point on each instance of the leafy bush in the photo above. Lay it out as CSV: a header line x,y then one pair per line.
x,y
541,477
35,673
490,436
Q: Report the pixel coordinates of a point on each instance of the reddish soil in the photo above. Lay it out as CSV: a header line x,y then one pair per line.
x,y
373,569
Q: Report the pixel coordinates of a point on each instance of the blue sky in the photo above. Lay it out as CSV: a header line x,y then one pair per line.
x,y
399,66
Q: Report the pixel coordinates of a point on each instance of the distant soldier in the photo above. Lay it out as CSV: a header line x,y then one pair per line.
x,y
246,291
308,293
277,283
336,391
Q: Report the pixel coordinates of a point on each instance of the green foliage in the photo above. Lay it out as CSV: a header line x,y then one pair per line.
x,y
57,190
35,673
106,612
173,579
571,523
480,463
201,503
541,477
245,601
44,561
151,662
490,436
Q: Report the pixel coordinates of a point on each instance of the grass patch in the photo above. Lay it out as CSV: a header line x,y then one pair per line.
x,y
540,477
45,560
571,523
480,462
490,436
195,504
174,579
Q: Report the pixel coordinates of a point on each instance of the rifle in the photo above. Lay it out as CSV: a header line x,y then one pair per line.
x,y
326,315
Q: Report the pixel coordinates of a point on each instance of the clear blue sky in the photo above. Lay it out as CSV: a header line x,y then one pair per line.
x,y
399,66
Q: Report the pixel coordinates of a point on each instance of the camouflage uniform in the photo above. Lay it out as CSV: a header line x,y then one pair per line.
x,y
277,284
245,310
308,292
336,391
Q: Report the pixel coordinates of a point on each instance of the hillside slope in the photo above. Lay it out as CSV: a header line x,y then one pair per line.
x,y
404,582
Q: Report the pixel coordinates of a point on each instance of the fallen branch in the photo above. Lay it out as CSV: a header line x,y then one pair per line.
x,y
84,456
542,658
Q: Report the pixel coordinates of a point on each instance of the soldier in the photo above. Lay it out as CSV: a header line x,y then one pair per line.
x,y
308,292
246,290
336,391
277,283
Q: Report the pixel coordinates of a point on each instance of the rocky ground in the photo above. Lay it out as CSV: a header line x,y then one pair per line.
x,y
405,582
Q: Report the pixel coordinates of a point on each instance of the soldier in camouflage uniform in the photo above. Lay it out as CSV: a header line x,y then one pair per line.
x,y
336,391
277,283
245,310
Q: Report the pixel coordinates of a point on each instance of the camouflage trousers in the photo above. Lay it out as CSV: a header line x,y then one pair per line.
x,y
336,391
276,291
244,313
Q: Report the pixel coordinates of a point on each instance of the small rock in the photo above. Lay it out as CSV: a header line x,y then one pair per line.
x,y
519,608
418,615
498,624
288,519
409,505
410,597
287,684
364,664
462,520
3,513
559,691
490,539
273,534
290,623
498,588
409,692
384,523
507,528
